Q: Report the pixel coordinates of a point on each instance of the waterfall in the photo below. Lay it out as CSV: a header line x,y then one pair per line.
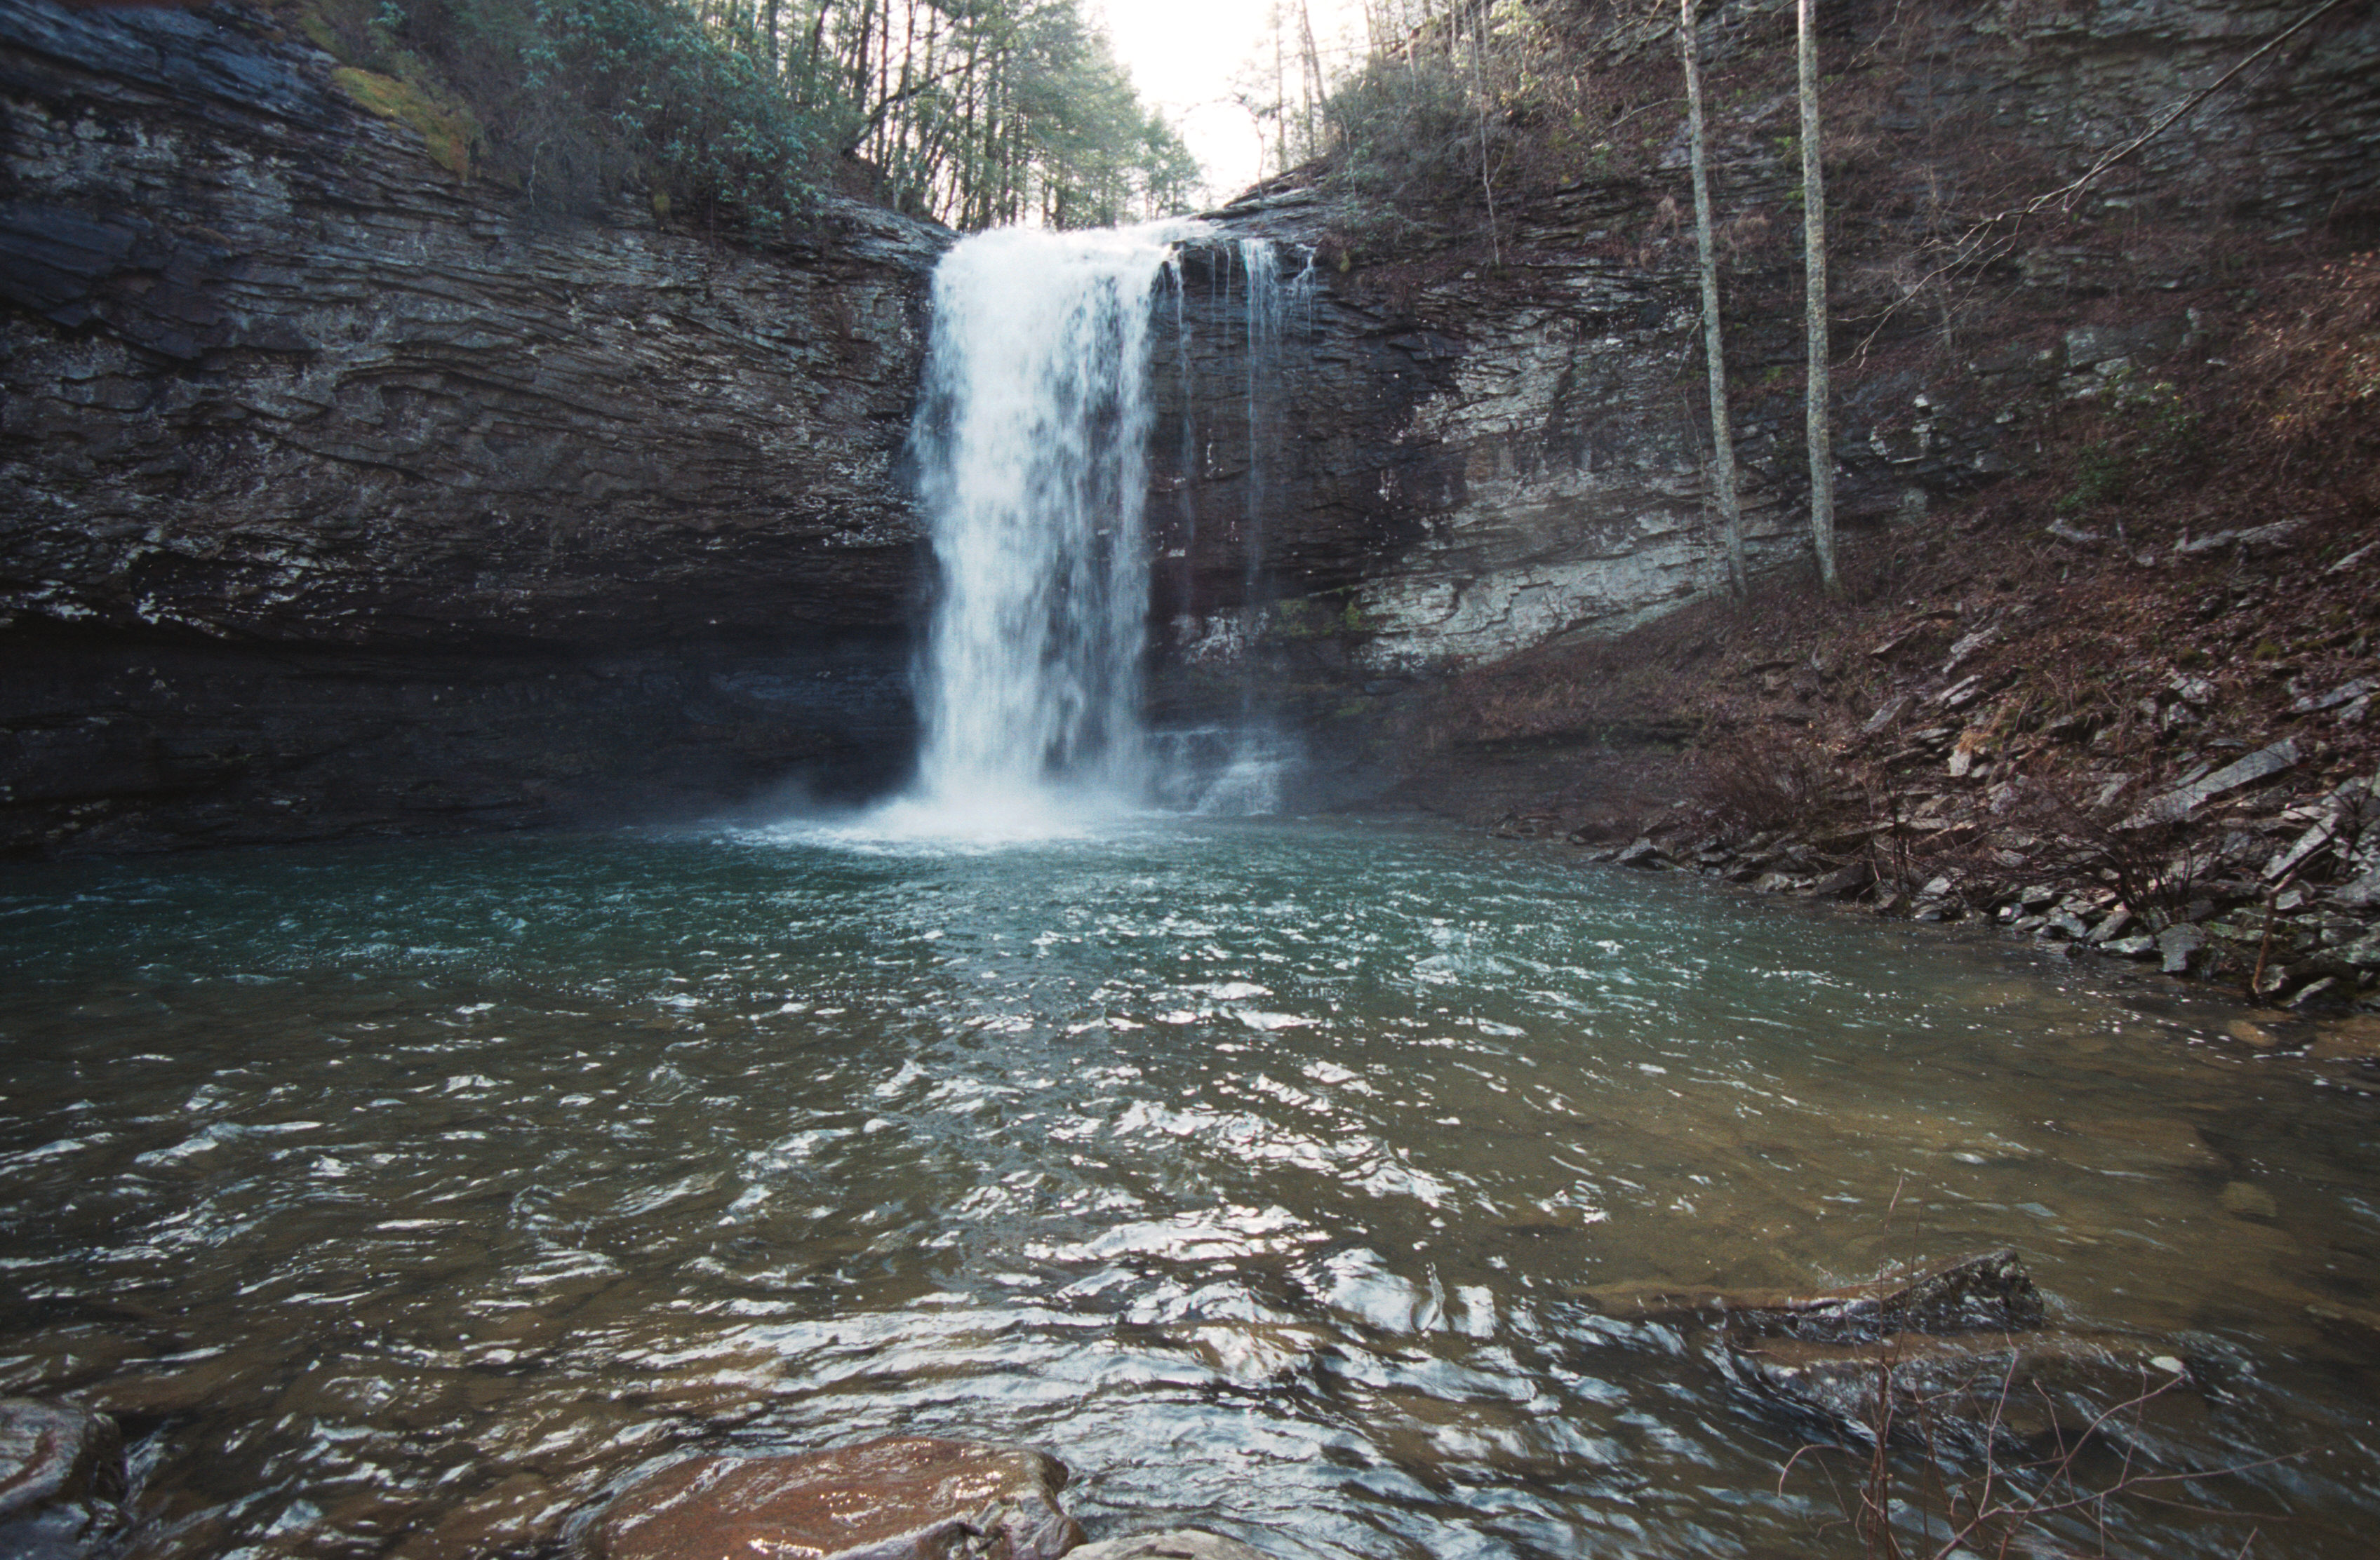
x,y
1032,446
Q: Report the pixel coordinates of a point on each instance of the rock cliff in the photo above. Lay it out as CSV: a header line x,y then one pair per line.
x,y
1518,440
339,492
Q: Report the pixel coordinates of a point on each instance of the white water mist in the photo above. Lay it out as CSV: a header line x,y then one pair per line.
x,y
1032,444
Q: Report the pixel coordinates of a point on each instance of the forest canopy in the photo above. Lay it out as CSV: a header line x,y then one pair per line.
x,y
735,112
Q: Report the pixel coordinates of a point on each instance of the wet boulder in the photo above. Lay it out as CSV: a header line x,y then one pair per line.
x,y
1644,855
1973,1387
906,1497
1992,1292
61,1475
1844,882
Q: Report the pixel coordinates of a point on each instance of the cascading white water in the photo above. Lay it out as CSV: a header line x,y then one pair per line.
x,y
1032,443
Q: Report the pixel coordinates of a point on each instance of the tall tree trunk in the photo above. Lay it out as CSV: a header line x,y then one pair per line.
x,y
1814,234
1480,89
883,80
1311,82
1279,98
1730,508
968,169
813,56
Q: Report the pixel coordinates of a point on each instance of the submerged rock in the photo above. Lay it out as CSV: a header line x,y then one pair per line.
x,y
60,1474
516,1513
1992,1292
2248,1201
908,1497
1188,1544
1961,1350
1981,1385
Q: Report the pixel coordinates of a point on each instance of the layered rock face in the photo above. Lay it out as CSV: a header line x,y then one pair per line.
x,y
338,493
1543,475
1471,470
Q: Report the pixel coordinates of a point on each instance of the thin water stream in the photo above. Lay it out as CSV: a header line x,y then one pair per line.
x,y
406,1200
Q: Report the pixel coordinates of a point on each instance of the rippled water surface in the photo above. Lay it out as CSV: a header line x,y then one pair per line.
x,y
1274,1176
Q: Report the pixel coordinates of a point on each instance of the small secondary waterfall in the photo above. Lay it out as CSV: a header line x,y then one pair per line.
x,y
1259,756
1032,438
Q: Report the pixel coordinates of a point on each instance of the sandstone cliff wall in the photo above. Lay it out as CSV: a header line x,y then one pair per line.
x,y
308,441
1547,480
339,492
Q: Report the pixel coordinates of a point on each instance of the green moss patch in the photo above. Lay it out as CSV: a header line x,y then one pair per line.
x,y
447,133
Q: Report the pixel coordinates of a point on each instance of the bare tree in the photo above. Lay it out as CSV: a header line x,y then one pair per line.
x,y
1312,83
1480,88
1730,508
1813,233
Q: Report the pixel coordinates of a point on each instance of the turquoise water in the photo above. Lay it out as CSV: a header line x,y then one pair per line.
x,y
408,1199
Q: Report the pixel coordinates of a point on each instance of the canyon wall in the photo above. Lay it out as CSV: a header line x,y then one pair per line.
x,y
340,493
1549,480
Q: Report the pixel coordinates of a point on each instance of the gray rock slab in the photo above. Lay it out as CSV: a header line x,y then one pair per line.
x,y
2183,801
2363,891
2346,692
2179,944
1188,1544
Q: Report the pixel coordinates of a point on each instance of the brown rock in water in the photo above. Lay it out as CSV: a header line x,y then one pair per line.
x,y
2356,1326
908,1497
61,1473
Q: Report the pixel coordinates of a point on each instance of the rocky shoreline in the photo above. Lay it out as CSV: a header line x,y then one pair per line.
x,y
2150,740
2220,908
2272,898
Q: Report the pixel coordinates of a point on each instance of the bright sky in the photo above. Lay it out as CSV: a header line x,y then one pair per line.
x,y
1184,55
